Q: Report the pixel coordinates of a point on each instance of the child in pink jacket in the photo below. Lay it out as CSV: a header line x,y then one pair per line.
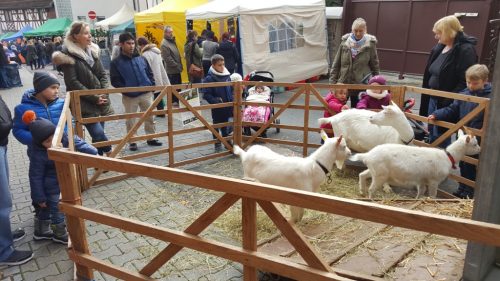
x,y
336,102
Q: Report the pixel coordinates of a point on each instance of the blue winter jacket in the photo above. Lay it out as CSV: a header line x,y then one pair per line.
x,y
131,72
42,171
50,112
221,94
458,109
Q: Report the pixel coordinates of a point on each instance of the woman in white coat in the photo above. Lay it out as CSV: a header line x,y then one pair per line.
x,y
153,56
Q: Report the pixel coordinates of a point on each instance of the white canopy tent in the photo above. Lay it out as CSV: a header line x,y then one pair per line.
x,y
285,37
121,16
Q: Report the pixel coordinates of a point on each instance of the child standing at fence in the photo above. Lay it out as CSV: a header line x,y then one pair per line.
x,y
374,99
476,77
336,102
45,191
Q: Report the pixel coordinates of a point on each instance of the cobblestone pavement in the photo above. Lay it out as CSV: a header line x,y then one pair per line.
x,y
138,198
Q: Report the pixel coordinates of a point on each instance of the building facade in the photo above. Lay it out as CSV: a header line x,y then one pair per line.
x,y
16,14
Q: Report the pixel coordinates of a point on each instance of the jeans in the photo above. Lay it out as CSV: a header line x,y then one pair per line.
x,y
96,131
224,131
467,171
175,79
354,97
6,241
51,212
435,131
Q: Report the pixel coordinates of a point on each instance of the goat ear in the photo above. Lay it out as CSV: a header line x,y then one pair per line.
x,y
467,140
460,133
339,140
393,103
324,136
384,107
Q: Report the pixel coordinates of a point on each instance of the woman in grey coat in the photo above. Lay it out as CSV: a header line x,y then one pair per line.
x,y
356,58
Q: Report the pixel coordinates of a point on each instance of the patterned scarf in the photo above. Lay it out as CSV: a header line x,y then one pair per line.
x,y
355,44
88,57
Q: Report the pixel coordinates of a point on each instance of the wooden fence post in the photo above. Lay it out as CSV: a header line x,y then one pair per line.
x,y
249,230
170,125
237,118
70,193
75,104
306,120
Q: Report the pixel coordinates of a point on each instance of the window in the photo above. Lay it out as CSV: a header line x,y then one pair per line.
x,y
100,18
82,18
284,36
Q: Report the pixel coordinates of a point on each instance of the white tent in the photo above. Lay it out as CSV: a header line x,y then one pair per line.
x,y
121,16
285,37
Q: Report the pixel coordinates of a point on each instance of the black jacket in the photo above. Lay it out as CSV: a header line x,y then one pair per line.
x,y
228,51
452,75
5,123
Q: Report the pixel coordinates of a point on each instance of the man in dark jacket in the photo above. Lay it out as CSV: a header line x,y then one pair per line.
x,y
129,69
172,58
8,255
229,52
214,95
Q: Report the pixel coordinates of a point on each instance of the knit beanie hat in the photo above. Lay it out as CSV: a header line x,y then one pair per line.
x,y
235,77
43,80
40,128
379,79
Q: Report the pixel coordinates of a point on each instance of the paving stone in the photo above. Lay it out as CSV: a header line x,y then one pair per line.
x,y
112,251
42,273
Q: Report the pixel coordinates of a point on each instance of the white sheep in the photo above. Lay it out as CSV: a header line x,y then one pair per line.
x,y
266,166
410,166
365,129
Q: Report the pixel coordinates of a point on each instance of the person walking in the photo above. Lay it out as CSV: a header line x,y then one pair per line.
x,y
193,55
228,50
83,70
31,55
130,69
209,47
356,59
172,58
40,50
153,56
8,254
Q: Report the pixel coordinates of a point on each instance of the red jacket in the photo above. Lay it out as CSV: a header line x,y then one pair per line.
x,y
334,104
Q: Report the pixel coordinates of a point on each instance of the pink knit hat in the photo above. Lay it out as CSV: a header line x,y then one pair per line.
x,y
379,79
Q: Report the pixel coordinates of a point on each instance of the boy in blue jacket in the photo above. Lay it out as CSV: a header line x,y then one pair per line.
x,y
476,77
44,103
45,191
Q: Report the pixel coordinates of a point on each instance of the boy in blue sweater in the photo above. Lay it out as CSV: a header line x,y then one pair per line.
x,y
476,77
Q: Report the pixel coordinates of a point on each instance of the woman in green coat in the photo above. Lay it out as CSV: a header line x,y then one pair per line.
x,y
79,61
356,59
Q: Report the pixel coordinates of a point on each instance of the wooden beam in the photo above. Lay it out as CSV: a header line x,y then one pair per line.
x,y
438,224
249,234
108,268
230,252
305,131
195,228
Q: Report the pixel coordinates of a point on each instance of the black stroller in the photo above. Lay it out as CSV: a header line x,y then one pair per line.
x,y
262,113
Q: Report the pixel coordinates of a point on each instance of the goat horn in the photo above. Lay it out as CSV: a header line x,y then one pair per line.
x,y
466,130
339,140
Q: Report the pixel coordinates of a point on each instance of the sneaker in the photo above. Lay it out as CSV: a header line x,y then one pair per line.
x,y
132,146
154,142
17,258
18,234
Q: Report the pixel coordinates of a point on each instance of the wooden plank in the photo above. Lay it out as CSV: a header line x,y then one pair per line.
x,y
463,180
203,121
237,113
444,225
77,105
285,142
106,267
274,117
170,128
294,236
145,154
198,144
70,193
203,158
230,252
306,122
200,224
444,94
61,124
111,179
444,124
115,91
249,231
321,100
132,139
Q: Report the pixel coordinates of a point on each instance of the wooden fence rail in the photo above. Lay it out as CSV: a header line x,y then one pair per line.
x,y
71,167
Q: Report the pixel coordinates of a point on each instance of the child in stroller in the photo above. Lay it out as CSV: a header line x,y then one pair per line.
x,y
261,94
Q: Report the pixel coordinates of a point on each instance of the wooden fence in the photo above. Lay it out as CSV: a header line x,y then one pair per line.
x,y
71,167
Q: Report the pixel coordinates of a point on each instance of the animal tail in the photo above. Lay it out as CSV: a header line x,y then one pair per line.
x,y
358,157
238,151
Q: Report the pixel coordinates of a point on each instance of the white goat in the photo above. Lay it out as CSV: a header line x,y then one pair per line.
x,y
409,166
266,166
365,129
